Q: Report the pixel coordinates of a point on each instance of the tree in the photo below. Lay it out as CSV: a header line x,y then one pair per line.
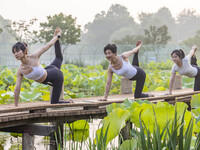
x,y
71,31
156,35
129,40
22,31
5,36
106,23
188,23
162,17
192,40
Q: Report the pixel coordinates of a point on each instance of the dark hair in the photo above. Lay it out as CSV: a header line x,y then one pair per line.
x,y
19,46
179,53
111,47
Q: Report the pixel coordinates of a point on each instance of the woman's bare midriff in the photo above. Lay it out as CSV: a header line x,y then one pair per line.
x,y
42,78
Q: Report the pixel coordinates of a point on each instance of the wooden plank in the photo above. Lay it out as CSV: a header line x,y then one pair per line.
x,y
77,110
32,129
88,108
37,110
87,105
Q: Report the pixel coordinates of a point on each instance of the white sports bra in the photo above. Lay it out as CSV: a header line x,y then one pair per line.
x,y
36,74
127,70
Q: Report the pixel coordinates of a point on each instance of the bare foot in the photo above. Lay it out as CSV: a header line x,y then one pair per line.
x,y
138,42
71,100
57,30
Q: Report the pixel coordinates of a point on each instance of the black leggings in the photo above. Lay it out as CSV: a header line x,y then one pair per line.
x,y
54,75
193,60
139,77
197,77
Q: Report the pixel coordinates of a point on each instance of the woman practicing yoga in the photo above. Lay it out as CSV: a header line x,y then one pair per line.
x,y
32,69
121,66
183,67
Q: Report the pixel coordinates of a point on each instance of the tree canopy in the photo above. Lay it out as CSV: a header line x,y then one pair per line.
x,y
21,31
156,35
71,31
106,23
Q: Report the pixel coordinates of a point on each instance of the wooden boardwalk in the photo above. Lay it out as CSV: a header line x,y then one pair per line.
x,y
83,108
25,118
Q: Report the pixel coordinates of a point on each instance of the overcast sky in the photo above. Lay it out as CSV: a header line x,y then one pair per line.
x,y
85,10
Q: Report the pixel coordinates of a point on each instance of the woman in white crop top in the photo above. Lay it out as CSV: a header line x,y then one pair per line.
x,y
30,67
183,67
121,66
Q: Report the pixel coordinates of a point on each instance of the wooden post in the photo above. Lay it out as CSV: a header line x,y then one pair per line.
x,y
62,92
177,82
27,141
126,86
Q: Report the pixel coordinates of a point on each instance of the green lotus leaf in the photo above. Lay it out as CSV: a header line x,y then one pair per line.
x,y
164,113
27,95
90,67
46,97
127,103
99,68
9,79
80,130
77,80
135,110
71,67
112,106
2,91
197,127
197,114
115,90
145,89
79,125
93,75
1,82
129,144
195,102
7,95
160,88
116,120
98,84
139,101
78,135
71,94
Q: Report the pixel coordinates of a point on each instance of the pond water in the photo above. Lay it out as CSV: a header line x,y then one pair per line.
x,y
8,142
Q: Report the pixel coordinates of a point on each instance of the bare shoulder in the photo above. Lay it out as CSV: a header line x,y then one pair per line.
x,y
19,72
109,69
124,57
33,55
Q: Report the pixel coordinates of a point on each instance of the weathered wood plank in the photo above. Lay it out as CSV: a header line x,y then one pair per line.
x,y
42,108
32,129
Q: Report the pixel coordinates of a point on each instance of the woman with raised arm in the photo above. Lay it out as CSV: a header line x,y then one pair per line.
x,y
121,66
32,69
183,67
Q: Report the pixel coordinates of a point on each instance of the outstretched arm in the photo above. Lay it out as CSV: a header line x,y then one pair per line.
x,y
40,51
171,83
108,84
192,51
126,55
18,87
